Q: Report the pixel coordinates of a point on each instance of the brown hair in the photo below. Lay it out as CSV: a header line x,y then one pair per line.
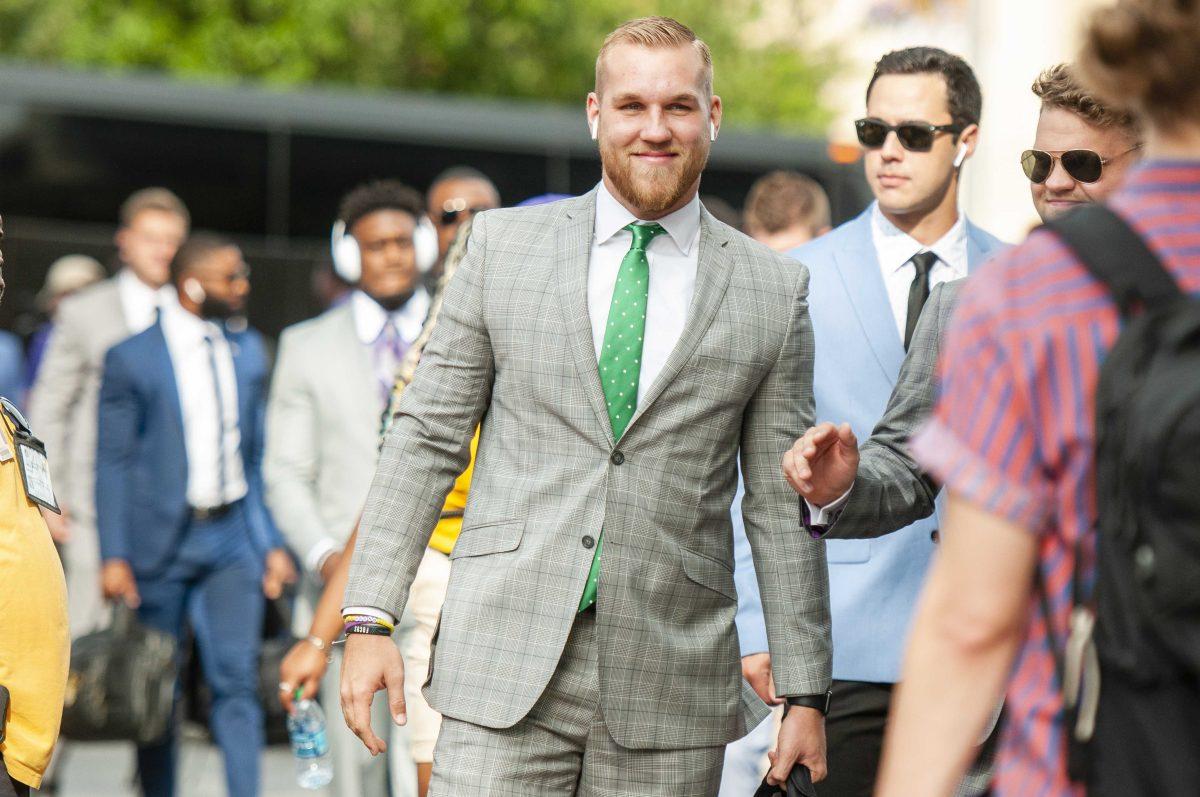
x,y
1143,56
781,200
152,199
656,32
1057,87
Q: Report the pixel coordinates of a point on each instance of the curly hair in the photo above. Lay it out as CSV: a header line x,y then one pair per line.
x,y
379,195
1143,56
1057,87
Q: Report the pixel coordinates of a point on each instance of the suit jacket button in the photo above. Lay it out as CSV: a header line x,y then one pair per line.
x,y
588,542
933,535
617,458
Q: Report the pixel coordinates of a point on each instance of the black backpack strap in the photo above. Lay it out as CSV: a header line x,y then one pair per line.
x,y
1117,256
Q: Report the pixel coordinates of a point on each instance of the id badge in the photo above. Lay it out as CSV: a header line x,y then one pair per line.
x,y
35,472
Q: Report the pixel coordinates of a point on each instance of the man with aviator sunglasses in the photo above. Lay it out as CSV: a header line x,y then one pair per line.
x,y
1081,150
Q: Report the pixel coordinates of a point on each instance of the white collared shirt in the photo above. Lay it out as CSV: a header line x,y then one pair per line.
x,y
895,248
185,334
370,317
140,302
673,258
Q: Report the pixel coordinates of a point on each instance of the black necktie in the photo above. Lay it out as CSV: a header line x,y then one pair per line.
x,y
918,292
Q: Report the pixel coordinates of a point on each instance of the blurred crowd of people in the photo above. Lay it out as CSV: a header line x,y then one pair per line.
x,y
200,474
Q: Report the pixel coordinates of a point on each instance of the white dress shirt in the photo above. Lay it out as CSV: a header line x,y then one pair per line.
x,y
895,248
140,302
370,317
674,259
186,334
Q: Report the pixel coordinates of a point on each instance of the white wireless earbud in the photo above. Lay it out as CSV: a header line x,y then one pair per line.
x,y
592,125
712,131
194,290
961,156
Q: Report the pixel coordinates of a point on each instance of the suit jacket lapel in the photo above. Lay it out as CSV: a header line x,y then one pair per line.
x,y
713,271
858,267
162,360
573,249
347,348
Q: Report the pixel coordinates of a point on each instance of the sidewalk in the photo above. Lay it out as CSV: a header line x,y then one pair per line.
x,y
105,769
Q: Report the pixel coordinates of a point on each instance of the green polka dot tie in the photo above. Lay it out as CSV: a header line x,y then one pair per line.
x,y
621,357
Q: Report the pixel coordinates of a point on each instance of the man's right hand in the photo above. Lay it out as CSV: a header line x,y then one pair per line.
x,y
58,524
756,669
117,582
822,464
371,663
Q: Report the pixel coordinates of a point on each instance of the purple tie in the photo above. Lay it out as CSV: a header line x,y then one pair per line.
x,y
389,351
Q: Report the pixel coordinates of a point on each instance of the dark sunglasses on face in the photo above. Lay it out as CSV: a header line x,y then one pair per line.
x,y
913,136
453,211
1083,165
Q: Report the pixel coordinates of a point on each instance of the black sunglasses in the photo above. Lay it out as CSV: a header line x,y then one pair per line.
x,y
1083,165
913,136
451,216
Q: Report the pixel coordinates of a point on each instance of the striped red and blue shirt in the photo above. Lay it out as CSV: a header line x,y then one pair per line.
x,y
1013,427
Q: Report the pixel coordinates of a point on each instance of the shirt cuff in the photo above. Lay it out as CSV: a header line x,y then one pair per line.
x,y
317,555
370,611
826,516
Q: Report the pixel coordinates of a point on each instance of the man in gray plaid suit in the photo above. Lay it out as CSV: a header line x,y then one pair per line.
x,y
621,349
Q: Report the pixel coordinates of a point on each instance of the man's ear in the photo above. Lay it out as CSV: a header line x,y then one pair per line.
x,y
716,112
593,114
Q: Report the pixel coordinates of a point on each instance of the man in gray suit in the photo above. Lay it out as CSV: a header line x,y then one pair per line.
x,y
65,398
622,350
332,381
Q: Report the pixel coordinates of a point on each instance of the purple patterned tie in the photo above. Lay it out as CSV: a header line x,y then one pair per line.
x,y
389,351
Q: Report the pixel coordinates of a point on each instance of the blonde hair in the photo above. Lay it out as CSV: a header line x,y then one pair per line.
x,y
656,32
1057,87
162,199
781,200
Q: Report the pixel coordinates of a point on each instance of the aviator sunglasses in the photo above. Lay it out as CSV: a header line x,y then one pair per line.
x,y
913,136
1083,165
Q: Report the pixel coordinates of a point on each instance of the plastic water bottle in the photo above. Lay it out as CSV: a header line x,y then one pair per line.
x,y
310,746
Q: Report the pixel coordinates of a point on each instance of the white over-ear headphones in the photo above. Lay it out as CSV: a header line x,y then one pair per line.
x,y
347,257
961,156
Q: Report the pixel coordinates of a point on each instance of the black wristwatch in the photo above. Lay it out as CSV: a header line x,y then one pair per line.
x,y
818,701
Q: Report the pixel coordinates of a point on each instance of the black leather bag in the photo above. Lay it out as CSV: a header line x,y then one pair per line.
x,y
122,682
799,784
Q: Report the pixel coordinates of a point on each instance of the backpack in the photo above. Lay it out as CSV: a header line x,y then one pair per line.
x,y
1144,604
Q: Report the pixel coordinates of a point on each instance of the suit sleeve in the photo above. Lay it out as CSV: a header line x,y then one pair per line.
x,y
792,575
56,392
290,458
116,450
429,442
266,530
891,490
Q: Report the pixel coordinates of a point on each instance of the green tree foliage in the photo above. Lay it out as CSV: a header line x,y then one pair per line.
x,y
535,49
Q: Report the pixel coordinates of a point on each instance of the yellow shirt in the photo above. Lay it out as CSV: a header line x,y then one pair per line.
x,y
35,647
446,532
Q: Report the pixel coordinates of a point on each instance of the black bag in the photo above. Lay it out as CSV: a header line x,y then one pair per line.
x,y
1146,601
122,682
799,784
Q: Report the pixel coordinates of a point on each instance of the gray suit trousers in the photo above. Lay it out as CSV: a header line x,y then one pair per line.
x,y
563,748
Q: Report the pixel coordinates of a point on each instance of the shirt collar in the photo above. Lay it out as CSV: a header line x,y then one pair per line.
x,y
897,247
187,327
132,287
682,226
370,317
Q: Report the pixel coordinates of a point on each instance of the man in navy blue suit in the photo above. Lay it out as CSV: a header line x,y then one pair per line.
x,y
184,533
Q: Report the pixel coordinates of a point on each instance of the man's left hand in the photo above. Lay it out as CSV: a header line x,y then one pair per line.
x,y
801,741
280,571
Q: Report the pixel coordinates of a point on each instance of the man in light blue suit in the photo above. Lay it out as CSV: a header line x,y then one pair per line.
x,y
184,532
870,280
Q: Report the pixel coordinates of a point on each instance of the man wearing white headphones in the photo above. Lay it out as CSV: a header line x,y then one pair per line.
x,y
333,378
871,278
